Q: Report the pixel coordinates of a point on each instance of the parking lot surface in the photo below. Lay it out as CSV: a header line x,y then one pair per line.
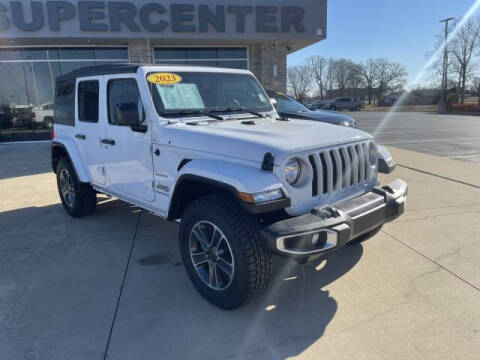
x,y
452,136
112,286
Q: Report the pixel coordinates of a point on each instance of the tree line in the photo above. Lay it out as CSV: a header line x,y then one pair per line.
x,y
329,77
463,50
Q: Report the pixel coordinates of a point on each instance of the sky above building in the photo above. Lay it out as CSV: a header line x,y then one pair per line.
x,y
402,31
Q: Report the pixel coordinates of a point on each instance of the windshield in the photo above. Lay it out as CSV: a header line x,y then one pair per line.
x,y
183,93
285,104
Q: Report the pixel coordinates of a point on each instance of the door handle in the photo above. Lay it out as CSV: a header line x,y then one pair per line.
x,y
107,141
80,136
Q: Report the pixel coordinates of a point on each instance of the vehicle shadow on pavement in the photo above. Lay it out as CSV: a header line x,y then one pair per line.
x,y
17,160
45,226
295,311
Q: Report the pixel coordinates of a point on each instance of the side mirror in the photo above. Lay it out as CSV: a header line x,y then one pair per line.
x,y
127,114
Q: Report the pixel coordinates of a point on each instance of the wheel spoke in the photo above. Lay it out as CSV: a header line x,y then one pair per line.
x,y
211,274
218,242
199,258
200,237
225,266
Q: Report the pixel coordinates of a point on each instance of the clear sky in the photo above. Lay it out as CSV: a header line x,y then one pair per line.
x,y
400,30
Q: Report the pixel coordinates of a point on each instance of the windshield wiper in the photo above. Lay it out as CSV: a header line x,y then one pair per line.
x,y
191,112
235,109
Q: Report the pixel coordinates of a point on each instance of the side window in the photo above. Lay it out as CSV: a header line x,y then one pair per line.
x,y
64,103
123,93
88,101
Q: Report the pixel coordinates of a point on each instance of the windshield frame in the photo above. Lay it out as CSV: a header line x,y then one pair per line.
x,y
164,113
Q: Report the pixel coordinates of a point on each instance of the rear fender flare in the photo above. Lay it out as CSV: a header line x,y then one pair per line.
x,y
73,153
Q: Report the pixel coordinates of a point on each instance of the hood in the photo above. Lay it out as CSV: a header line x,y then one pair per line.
x,y
251,142
330,117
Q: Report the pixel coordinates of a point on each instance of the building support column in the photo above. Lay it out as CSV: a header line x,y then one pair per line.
x,y
269,64
140,52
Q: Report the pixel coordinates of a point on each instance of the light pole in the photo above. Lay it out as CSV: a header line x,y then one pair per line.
x,y
443,99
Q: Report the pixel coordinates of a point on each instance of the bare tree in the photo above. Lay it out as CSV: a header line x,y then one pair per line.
x,y
355,79
299,81
462,47
391,76
318,67
370,72
330,75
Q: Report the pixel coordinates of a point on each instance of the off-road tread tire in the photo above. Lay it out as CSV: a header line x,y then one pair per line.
x,y
85,196
366,236
249,282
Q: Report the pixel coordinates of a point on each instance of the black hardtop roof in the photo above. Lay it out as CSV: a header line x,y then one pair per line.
x,y
97,70
109,69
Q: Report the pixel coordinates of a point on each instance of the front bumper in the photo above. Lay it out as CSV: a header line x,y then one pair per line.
x,y
331,227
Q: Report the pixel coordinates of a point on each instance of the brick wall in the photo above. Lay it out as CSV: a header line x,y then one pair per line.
x,y
269,64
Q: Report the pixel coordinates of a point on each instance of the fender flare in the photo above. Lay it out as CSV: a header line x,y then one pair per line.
x,y
232,178
71,149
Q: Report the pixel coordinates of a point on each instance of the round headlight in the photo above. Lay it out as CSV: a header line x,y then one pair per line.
x,y
373,153
292,171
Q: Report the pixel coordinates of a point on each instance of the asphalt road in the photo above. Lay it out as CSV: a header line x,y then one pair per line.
x,y
450,136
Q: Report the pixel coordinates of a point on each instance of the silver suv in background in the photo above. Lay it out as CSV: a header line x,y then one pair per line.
x,y
340,103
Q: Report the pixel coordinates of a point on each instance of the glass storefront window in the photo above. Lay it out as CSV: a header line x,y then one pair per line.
x,y
27,85
229,57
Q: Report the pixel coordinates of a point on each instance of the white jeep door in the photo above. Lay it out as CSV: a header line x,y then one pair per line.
x,y
127,153
89,126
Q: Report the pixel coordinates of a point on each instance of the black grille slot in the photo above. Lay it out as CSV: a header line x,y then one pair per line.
x,y
334,170
315,176
367,160
353,164
324,174
344,169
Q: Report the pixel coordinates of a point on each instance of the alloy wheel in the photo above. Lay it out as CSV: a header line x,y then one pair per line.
x,y
211,255
67,187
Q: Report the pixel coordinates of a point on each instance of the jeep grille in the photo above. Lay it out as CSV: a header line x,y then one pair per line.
x,y
340,169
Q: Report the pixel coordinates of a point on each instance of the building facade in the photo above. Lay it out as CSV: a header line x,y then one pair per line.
x,y
40,40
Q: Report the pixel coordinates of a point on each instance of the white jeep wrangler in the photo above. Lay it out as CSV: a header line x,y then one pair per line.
x,y
205,146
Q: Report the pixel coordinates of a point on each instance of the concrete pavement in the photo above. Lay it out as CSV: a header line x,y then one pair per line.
x,y
112,285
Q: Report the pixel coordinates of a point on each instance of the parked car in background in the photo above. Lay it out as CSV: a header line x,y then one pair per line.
x,y
287,107
340,103
23,116
6,121
43,115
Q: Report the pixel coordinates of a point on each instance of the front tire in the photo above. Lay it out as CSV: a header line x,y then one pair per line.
x,y
221,251
79,199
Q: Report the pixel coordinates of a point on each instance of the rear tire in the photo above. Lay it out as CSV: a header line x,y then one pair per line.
x,y
79,199
366,236
333,108
214,232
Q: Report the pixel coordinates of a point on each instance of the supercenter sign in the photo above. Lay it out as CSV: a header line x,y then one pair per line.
x,y
135,18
